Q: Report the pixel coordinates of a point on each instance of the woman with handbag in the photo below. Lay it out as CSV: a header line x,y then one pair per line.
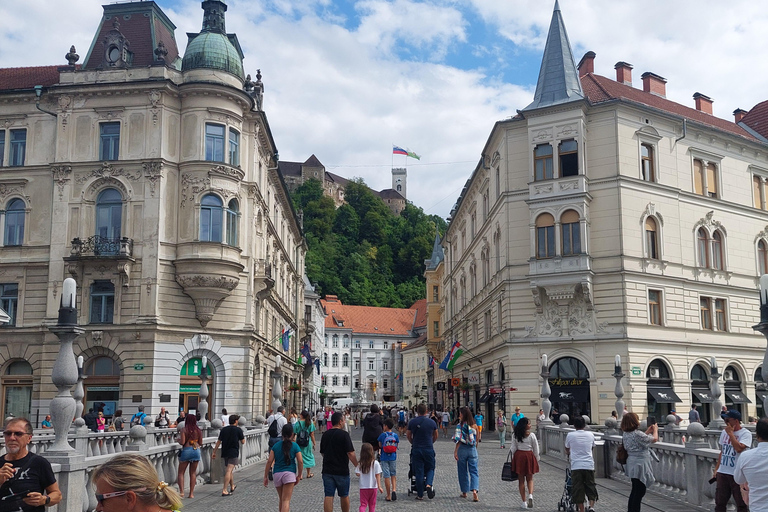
x,y
465,454
638,468
525,458
501,427
191,439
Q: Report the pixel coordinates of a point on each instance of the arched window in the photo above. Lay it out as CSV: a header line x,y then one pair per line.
x,y
542,161
17,385
109,215
210,218
545,236
101,367
762,257
569,223
569,382
734,397
661,396
717,250
345,360
651,239
14,222
335,360
702,247
472,281
233,211
702,396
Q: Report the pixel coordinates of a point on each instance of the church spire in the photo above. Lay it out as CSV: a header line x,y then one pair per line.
x,y
558,77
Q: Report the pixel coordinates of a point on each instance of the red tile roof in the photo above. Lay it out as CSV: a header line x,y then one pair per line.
x,y
757,118
421,313
600,89
27,78
369,319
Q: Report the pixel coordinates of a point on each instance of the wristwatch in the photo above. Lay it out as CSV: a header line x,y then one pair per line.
x,y
47,500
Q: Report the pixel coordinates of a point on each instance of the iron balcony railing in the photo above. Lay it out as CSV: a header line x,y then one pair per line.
x,y
101,246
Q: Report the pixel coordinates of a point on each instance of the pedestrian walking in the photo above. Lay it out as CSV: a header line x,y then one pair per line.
x,y
117,421
328,414
230,439
138,418
402,421
305,432
320,420
389,441
446,420
465,453
525,458
190,440
501,427
578,447
638,466
224,417
733,441
373,426
338,451
516,417
133,479
285,461
693,415
27,482
479,423
751,472
422,434
369,472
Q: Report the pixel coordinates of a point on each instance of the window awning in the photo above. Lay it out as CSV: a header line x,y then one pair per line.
x,y
494,398
761,395
484,398
4,317
664,395
704,397
738,397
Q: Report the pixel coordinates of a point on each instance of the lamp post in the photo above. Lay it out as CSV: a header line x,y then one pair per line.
x,y
618,374
546,392
714,388
64,373
762,327
202,404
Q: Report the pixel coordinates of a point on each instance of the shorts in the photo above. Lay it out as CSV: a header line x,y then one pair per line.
x,y
284,477
230,461
333,483
189,454
583,485
388,468
445,424
479,428
401,424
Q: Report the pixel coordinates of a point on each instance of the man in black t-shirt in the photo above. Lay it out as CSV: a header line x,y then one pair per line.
x,y
422,433
230,439
373,427
336,447
24,476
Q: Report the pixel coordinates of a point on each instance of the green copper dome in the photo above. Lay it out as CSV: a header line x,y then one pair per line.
x,y
213,50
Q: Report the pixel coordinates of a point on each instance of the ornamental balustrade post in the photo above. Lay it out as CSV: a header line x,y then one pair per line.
x,y
714,388
618,374
546,392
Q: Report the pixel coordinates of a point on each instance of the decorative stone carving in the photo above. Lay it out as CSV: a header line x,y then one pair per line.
x,y
107,170
650,211
567,131
709,222
13,187
97,337
61,177
227,172
161,52
153,171
542,189
116,54
569,185
196,184
537,299
72,57
542,135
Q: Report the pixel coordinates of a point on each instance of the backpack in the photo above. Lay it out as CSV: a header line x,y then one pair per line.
x,y
401,414
390,443
302,437
272,430
138,419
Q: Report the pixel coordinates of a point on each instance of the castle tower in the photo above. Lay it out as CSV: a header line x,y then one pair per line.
x,y
399,180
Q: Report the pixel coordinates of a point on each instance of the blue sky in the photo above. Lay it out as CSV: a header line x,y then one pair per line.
x,y
347,79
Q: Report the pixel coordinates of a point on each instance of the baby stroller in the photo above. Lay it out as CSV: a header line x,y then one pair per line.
x,y
566,502
412,476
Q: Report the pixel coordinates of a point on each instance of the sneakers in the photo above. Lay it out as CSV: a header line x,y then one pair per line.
x,y
430,492
524,505
394,496
530,501
590,509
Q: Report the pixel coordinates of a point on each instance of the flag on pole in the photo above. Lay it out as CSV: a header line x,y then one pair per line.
x,y
399,151
317,365
451,357
413,155
286,337
306,353
431,361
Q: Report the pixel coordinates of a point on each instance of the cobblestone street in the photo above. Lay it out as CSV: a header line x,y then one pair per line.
x,y
494,493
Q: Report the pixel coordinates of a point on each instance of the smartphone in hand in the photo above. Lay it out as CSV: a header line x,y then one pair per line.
x,y
651,421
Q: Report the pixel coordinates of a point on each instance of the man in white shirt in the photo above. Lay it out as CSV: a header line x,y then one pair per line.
x,y
446,421
281,421
752,470
578,446
733,441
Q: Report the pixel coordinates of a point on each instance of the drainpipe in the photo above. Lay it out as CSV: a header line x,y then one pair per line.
x,y
685,131
39,94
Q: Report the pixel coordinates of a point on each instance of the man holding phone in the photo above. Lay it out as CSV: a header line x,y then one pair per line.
x,y
24,476
733,441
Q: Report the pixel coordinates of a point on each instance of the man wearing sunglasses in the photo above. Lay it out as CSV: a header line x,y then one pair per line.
x,y
23,475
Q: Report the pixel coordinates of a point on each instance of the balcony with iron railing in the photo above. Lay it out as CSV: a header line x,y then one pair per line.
x,y
98,246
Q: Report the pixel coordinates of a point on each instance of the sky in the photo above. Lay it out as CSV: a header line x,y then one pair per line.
x,y
345,80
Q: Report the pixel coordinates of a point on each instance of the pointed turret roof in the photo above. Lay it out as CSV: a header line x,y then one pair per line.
x,y
437,253
558,78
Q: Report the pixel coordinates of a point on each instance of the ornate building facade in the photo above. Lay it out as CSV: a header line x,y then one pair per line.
x,y
152,180
604,220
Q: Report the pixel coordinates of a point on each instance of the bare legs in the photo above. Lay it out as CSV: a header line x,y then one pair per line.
x,y
180,478
521,486
284,493
192,478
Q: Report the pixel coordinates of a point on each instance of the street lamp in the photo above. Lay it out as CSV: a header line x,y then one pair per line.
x,y
762,327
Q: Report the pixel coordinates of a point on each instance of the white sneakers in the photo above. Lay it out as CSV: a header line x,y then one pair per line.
x,y
524,505
530,501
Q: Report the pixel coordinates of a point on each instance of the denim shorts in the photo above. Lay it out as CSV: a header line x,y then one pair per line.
x,y
388,468
189,454
333,483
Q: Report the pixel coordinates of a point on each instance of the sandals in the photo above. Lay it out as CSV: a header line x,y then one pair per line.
x,y
474,496
232,488
463,495
226,493
310,475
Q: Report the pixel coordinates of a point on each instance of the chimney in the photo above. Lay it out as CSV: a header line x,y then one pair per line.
x,y
654,84
703,103
586,64
623,73
739,114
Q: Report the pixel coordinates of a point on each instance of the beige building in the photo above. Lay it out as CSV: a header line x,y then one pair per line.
x,y
152,180
604,220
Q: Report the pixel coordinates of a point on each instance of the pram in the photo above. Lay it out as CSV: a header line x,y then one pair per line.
x,y
412,476
566,502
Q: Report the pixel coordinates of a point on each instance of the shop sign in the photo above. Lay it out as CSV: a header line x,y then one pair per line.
x,y
455,382
636,370
138,366
189,389
473,378
495,391
567,382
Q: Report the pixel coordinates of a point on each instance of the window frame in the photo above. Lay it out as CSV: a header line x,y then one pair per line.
x,y
705,313
547,167
648,174
545,233
112,141
208,213
211,139
762,257
18,214
234,154
9,301
566,156
652,241
232,220
104,315
573,228
655,307
14,146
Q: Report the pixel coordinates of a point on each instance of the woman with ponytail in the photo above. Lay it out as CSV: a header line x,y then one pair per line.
x,y
288,465
191,439
128,482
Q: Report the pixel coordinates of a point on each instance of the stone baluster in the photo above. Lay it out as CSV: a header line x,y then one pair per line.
x,y
79,392
762,327
202,405
717,404
277,385
618,374
138,434
546,391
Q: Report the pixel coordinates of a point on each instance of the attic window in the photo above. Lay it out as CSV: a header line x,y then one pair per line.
x,y
391,329
375,328
341,323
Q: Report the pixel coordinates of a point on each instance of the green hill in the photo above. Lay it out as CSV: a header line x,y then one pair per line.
x,y
361,252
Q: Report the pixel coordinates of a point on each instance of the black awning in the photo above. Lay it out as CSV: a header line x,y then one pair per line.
x,y
737,397
664,395
484,398
704,397
494,398
761,395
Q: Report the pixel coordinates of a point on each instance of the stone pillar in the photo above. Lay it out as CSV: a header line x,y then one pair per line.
x,y
618,374
717,404
202,405
79,392
696,474
546,391
277,386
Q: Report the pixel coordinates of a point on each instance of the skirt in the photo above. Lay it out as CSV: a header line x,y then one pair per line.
x,y
189,454
524,463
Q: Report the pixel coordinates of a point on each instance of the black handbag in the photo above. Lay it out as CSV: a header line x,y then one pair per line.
x,y
507,474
